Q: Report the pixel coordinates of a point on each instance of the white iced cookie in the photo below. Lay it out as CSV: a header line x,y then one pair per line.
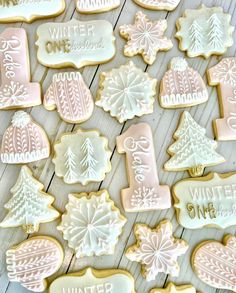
x,y
75,43
82,157
96,6
126,92
168,5
97,281
172,288
91,224
29,205
204,31
29,10
206,201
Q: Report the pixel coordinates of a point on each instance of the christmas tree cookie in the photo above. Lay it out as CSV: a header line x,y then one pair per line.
x,y
29,205
204,31
96,6
192,151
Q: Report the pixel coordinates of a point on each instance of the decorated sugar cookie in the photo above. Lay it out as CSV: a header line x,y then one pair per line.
x,y
92,224
145,192
192,151
75,43
82,157
33,260
223,75
215,263
182,86
96,6
16,90
158,4
104,281
71,96
29,205
29,10
145,37
204,31
126,92
172,288
157,250
24,141
206,201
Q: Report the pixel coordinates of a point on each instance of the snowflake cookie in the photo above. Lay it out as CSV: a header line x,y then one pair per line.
x,y
126,92
33,260
182,86
145,37
215,263
192,151
96,6
204,31
82,157
172,288
168,5
24,141
92,224
157,250
29,205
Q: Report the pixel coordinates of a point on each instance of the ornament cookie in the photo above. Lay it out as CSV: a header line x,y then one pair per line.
x,y
75,43
96,6
215,263
24,141
192,151
29,205
145,192
29,10
145,37
182,86
126,92
223,75
172,288
168,5
157,250
204,32
82,157
16,90
71,96
33,260
92,224
206,201
99,281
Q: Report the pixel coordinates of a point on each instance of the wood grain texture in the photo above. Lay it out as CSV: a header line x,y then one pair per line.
x,y
163,124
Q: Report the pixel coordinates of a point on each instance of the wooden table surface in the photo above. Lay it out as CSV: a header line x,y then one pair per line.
x,y
163,123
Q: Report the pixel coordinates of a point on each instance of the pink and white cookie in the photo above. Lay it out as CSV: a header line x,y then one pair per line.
x,y
168,5
96,6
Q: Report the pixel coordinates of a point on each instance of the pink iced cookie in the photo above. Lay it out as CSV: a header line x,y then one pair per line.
x,y
223,75
215,263
71,96
16,90
24,141
145,193
33,260
96,6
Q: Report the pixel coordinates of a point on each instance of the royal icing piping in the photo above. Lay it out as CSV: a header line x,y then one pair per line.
x,y
96,6
91,224
126,92
145,192
145,37
204,31
16,90
158,4
75,43
71,96
192,151
172,288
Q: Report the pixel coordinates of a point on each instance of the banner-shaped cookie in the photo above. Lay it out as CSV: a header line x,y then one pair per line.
x,y
29,10
90,280
206,201
75,43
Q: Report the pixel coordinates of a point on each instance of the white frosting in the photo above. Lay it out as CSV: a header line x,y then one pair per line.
x,y
95,6
178,64
20,119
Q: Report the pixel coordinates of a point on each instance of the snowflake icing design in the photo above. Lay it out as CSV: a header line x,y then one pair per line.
x,y
145,37
226,71
92,224
144,197
157,250
127,92
12,94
